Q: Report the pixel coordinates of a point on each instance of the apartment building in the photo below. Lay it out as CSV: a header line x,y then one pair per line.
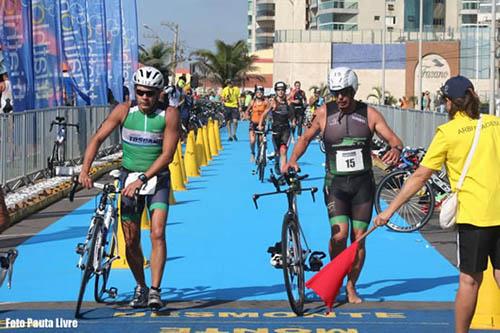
x,y
261,17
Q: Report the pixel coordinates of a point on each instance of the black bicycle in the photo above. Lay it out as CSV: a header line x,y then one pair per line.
x,y
100,248
7,260
294,249
58,156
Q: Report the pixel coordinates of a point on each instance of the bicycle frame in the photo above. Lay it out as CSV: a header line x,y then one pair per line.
x,y
7,260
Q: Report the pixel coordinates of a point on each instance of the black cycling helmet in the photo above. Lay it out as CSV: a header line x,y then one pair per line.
x,y
280,85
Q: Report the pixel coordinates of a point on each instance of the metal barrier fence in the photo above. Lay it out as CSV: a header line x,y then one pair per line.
x,y
416,128
26,143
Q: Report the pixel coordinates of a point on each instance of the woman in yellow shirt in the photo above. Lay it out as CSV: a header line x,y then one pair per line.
x,y
478,214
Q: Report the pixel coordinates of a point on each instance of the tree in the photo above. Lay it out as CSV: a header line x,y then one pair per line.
x,y
158,56
228,62
377,95
324,91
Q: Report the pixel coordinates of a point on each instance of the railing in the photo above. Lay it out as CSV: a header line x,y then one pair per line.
x,y
360,36
415,128
26,143
339,5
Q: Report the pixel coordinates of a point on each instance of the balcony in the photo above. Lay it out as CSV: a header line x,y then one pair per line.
x,y
266,16
267,2
340,7
313,5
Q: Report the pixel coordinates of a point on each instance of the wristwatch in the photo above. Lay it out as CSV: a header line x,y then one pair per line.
x,y
143,178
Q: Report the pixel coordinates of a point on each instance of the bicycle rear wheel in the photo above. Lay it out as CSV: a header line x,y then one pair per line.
x,y
88,270
262,162
412,215
293,263
106,251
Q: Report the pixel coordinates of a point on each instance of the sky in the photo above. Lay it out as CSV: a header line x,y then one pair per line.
x,y
201,22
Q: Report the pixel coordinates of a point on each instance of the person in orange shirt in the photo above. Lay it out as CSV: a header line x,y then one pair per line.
x,y
254,112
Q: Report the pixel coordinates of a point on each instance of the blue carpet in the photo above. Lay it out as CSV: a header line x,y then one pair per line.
x,y
217,244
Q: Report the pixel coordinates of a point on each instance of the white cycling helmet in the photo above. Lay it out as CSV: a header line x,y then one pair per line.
x,y
149,77
342,77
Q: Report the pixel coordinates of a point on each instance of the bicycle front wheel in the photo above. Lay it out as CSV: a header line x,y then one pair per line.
x,y
412,215
262,163
101,278
293,263
88,270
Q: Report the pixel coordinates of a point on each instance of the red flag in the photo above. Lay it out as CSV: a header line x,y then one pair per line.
x,y
327,282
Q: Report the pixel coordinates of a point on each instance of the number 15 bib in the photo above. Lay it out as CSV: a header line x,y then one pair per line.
x,y
349,160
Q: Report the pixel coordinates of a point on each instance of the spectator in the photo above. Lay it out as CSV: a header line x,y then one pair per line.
x,y
4,214
6,98
126,91
404,103
427,101
478,212
69,93
213,97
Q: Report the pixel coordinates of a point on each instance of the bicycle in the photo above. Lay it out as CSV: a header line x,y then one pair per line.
x,y
415,213
293,257
261,160
7,260
58,157
100,248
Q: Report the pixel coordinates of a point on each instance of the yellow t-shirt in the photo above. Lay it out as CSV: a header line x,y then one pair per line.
x,y
479,198
231,96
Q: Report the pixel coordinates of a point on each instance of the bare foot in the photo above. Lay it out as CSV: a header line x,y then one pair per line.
x,y
352,296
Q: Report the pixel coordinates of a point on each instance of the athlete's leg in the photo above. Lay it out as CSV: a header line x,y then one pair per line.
x,y
361,208
466,299
133,250
227,114
236,117
252,139
159,246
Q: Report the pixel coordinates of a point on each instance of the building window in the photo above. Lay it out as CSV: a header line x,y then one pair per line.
x,y
469,19
390,6
376,18
438,22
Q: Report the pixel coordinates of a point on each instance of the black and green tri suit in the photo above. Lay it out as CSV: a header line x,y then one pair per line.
x,y
349,184
281,116
142,137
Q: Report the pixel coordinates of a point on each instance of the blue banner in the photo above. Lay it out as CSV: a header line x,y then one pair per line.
x,y
47,69
74,35
130,42
16,41
96,43
114,48
83,42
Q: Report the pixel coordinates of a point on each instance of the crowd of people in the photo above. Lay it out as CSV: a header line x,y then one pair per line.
x,y
346,127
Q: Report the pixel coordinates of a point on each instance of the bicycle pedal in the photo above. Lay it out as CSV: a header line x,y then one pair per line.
x,y
80,248
315,261
112,292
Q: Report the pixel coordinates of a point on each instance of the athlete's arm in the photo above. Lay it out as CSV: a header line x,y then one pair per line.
x,y
304,140
114,120
385,132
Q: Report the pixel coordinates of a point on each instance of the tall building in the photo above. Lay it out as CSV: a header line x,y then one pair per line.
x,y
368,14
261,18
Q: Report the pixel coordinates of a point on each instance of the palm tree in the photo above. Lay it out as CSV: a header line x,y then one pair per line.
x,y
158,55
228,62
377,95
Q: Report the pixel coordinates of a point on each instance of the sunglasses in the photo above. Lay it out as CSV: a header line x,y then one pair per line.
x,y
148,93
343,92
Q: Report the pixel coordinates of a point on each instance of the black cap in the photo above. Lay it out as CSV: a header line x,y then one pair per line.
x,y
456,87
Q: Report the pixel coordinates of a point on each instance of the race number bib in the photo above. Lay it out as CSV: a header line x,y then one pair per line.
x,y
350,160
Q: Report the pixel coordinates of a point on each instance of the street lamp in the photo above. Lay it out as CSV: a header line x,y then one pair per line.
x,y
174,27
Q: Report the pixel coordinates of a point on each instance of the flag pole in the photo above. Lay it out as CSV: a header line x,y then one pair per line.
x,y
367,233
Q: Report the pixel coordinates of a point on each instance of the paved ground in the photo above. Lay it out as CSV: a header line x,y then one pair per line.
x,y
218,277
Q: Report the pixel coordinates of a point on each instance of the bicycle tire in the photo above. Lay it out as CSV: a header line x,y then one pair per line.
x,y
61,154
101,280
293,263
262,163
88,270
412,215
322,146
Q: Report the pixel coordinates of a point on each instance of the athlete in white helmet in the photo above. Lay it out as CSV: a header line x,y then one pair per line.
x,y
346,127
150,131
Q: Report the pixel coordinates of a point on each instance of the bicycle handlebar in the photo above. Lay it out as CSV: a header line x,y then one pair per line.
x,y
107,188
60,122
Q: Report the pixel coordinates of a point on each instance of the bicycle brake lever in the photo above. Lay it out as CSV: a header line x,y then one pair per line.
x,y
73,189
255,197
314,190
